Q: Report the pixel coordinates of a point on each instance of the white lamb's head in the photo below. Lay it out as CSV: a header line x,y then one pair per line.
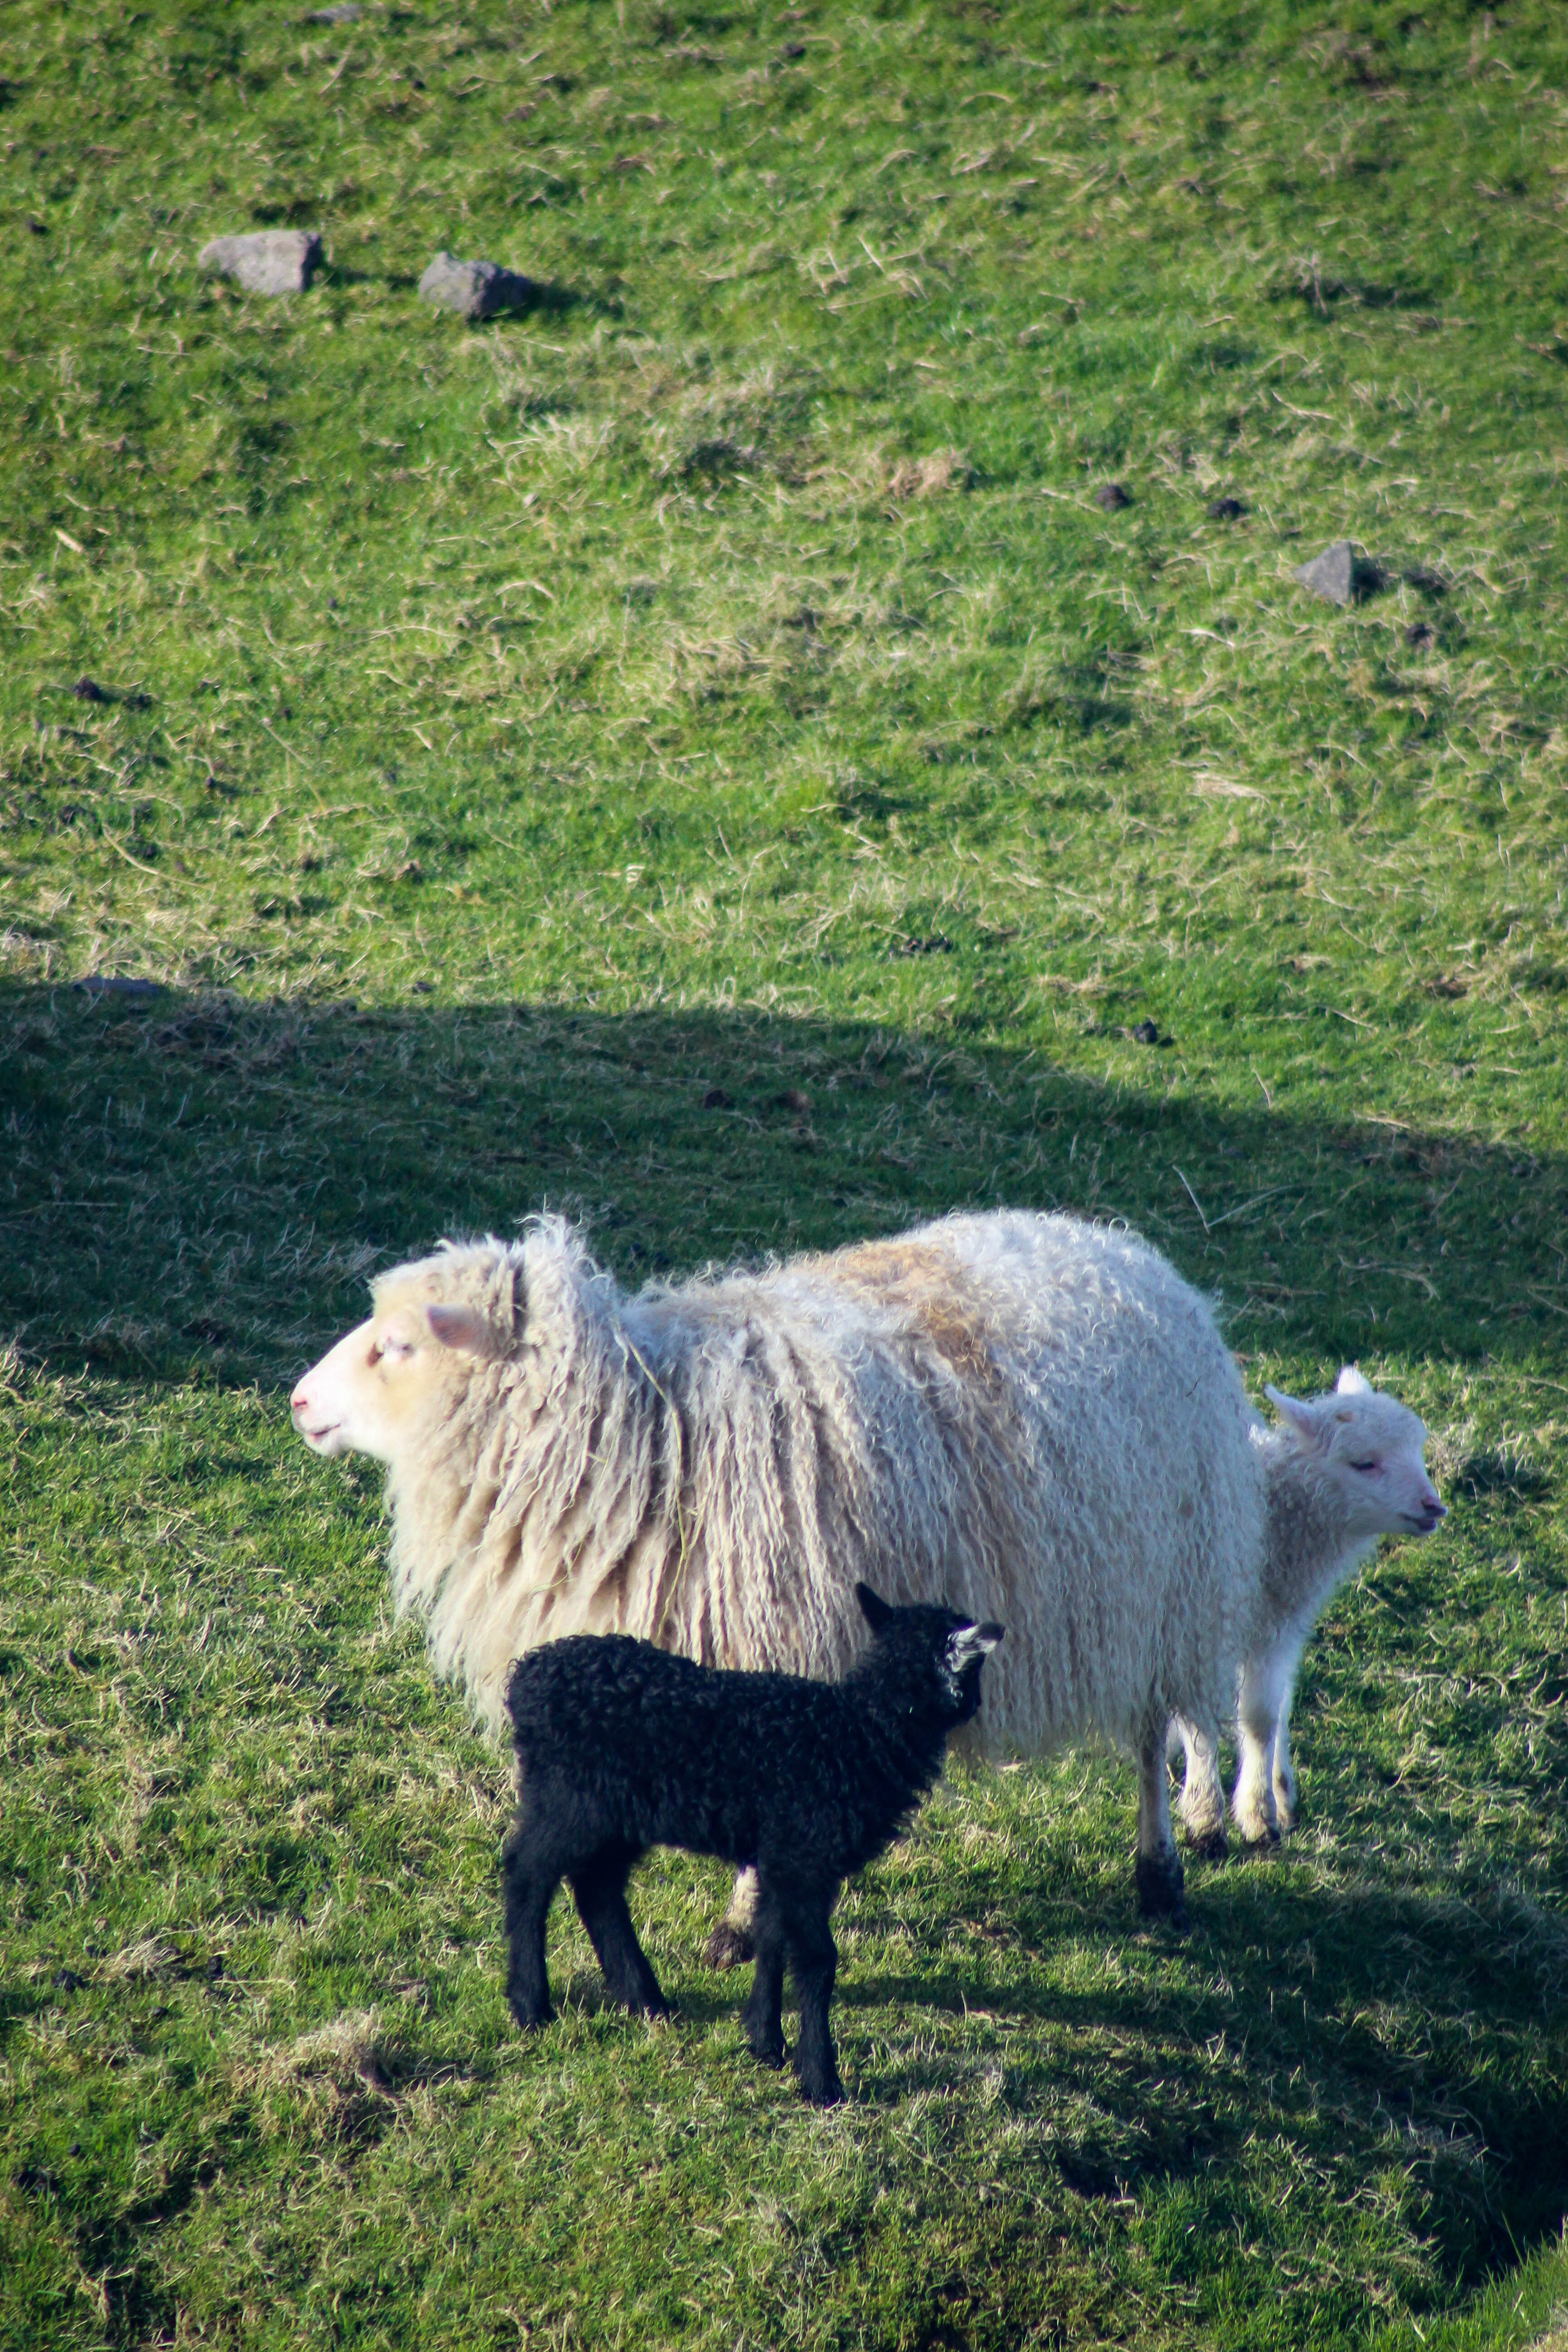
x,y
436,1322
1368,1448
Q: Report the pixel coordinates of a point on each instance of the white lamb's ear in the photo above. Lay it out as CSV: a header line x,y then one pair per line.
x,y
1350,1384
1301,1418
459,1328
969,1643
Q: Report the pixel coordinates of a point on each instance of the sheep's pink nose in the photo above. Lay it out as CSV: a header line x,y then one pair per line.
x,y
300,1400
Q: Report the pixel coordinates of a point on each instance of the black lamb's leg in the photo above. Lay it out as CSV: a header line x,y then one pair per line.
x,y
600,1887
815,1961
761,2018
532,1869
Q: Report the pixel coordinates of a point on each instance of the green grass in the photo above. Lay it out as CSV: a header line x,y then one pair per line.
x,y
697,755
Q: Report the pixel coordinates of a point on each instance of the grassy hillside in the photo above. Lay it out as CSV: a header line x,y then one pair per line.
x,y
702,755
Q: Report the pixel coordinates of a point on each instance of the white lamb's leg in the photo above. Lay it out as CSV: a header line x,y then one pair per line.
x,y
1263,1697
1159,1865
732,1940
1286,1805
1202,1791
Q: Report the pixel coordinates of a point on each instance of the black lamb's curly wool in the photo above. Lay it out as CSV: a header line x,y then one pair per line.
x,y
621,1745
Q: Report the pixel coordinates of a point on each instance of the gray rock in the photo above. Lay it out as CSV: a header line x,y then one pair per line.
x,y
1332,574
104,983
475,289
343,12
1112,497
267,261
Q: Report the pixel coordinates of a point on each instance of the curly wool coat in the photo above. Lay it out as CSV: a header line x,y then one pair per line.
x,y
621,1746
1031,1417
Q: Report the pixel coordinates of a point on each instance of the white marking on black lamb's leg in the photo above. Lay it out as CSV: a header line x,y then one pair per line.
x,y
734,1939
1202,1808
1159,1865
761,2018
600,1888
814,1961
531,1870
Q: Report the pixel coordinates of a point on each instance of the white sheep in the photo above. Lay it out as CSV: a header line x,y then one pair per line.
x,y
1338,1473
1027,1418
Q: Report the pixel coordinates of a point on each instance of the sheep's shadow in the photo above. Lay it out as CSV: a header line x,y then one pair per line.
x,y
199,1180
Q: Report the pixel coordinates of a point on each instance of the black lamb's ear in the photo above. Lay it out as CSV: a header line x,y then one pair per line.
x,y
968,1643
877,1613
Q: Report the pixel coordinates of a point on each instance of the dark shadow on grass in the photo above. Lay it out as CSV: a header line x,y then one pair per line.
x,y
195,1185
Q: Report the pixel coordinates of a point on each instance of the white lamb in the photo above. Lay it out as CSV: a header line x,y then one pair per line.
x,y
1338,1473
1027,1418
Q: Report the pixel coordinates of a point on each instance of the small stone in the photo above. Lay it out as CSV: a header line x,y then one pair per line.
x,y
269,261
475,289
1331,574
1420,633
717,1099
1227,510
343,12
1111,497
794,1098
1146,1034
88,689
38,227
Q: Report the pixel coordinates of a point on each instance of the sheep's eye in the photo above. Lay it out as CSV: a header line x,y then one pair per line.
x,y
1364,1466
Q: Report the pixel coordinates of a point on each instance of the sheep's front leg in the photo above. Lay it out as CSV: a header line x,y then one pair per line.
x,y
600,1888
734,1938
1159,1865
815,1961
1286,1800
761,2018
1202,1807
1261,1711
531,1870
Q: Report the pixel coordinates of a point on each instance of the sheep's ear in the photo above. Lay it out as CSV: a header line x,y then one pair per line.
x,y
877,1611
1350,1384
1301,1418
971,1641
459,1328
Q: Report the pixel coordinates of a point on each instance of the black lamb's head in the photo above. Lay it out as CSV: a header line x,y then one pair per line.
x,y
939,1651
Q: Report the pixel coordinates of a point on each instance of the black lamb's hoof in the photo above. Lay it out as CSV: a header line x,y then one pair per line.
x,y
827,2091
655,2009
1210,1846
531,2015
1159,1889
767,2049
728,1947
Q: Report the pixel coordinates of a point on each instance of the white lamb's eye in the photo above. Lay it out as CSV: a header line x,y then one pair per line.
x,y
1364,1466
394,1349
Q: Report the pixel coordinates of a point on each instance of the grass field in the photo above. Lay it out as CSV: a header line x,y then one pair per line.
x,y
698,755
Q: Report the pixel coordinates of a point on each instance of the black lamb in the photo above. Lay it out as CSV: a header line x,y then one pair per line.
x,y
621,1746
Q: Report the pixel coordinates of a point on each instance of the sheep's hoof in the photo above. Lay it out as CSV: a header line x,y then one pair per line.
x,y
1288,1816
1209,1845
728,1947
765,2051
1159,1889
531,2016
1264,1838
828,2093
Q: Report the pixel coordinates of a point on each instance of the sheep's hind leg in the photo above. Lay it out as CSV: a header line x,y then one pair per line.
x,y
814,1961
1159,1865
599,1885
733,1941
761,2018
1202,1808
531,1870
